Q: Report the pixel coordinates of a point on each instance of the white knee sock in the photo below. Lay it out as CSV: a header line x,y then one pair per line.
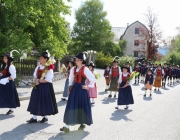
x,y
34,117
92,100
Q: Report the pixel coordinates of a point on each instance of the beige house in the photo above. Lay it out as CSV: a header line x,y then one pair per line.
x,y
136,36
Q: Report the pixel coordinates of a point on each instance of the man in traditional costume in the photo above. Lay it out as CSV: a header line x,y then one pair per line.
x,y
8,93
43,101
170,75
114,76
165,68
78,107
129,67
143,71
137,68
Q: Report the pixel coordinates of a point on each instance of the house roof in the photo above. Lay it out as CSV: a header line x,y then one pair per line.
x,y
130,26
118,32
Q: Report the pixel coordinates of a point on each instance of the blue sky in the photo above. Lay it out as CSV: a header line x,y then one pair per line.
x,y
121,12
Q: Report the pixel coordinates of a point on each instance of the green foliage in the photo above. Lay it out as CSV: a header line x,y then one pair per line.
x,y
91,29
172,58
122,44
18,79
123,60
102,60
25,24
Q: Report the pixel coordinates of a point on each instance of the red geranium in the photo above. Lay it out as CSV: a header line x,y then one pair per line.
x,y
51,67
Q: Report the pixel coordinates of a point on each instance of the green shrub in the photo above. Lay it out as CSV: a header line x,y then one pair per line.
x,y
102,60
124,59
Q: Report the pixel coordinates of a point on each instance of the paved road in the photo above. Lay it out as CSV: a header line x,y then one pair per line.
x,y
156,118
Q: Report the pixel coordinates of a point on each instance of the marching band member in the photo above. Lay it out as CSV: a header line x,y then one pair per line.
x,y
129,67
170,75
143,71
137,68
165,68
106,75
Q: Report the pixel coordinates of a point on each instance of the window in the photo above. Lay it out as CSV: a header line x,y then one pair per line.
x,y
135,54
136,30
136,42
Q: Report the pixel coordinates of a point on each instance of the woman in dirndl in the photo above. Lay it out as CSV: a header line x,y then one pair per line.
x,y
159,73
65,92
149,78
8,93
78,107
92,91
43,100
125,96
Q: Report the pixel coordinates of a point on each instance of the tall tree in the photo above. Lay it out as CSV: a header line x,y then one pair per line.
x,y
91,29
34,23
154,32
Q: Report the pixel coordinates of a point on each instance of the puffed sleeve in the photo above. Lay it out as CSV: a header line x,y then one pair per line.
x,y
162,71
120,71
49,76
90,77
110,72
35,72
155,71
130,69
71,76
12,71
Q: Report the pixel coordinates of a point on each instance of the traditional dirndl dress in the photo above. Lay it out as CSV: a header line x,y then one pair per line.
x,y
8,93
114,79
125,96
43,100
78,108
92,91
149,81
158,78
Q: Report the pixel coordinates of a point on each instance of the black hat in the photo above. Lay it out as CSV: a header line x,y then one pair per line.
x,y
91,64
71,60
115,61
45,54
8,55
125,67
150,69
81,56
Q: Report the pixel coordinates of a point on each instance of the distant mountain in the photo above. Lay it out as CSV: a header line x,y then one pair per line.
x,y
163,50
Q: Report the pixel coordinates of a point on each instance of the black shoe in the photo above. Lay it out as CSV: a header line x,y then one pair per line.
x,y
63,99
110,96
10,112
150,95
126,107
117,108
81,127
64,129
32,120
114,96
44,120
144,95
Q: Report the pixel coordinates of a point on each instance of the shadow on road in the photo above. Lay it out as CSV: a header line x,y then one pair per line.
x,y
22,131
61,103
158,92
147,98
103,92
4,117
72,135
107,100
143,89
120,115
165,88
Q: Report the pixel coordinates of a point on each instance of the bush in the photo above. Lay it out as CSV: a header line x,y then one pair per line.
x,y
123,60
172,58
102,60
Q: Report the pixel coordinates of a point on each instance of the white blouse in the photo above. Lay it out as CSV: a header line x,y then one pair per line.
x,y
48,77
157,69
12,71
125,75
87,73
116,67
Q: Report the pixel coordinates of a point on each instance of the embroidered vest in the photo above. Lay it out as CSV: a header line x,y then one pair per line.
x,y
5,73
115,72
137,69
79,77
124,78
159,72
39,73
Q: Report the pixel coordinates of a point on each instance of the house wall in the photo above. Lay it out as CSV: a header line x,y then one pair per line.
x,y
130,37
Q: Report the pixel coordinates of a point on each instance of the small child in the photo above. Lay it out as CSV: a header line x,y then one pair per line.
x,y
149,78
106,75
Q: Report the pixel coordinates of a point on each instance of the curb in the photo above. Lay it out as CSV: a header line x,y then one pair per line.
x,y
28,97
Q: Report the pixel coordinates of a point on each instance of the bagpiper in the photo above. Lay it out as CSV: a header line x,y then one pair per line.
x,y
107,76
137,68
149,79
114,76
